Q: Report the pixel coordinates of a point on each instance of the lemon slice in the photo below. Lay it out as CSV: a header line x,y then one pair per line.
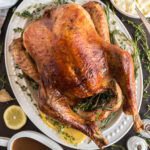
x,y
48,121
72,136
14,117
69,135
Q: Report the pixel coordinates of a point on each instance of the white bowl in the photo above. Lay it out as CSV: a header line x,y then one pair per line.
x,y
125,13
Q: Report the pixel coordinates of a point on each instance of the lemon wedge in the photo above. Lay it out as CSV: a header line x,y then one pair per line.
x,y
14,117
48,121
72,136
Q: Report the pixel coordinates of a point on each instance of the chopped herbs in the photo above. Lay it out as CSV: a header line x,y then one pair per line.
x,y
20,75
25,14
30,96
23,87
32,83
17,66
18,29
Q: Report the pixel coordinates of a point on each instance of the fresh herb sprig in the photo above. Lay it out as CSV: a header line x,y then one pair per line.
x,y
144,52
94,102
32,15
38,8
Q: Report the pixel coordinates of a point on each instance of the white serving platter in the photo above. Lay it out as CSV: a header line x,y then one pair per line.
x,y
119,126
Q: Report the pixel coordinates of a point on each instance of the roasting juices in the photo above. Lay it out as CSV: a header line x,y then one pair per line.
x,y
28,144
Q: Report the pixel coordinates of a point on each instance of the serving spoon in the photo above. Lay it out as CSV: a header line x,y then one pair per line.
x,y
144,20
6,142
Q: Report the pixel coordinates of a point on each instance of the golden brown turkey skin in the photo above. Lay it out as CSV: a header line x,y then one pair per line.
x,y
99,19
73,61
65,47
23,60
52,103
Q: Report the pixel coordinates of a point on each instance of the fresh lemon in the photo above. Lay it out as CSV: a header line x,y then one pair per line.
x,y
72,136
48,121
14,117
69,135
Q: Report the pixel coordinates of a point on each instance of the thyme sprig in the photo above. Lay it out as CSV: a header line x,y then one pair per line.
x,y
35,14
32,15
144,52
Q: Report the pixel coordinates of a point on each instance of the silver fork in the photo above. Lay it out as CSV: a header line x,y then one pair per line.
x,y
144,20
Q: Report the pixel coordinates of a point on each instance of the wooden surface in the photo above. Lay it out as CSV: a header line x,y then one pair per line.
x,y
4,131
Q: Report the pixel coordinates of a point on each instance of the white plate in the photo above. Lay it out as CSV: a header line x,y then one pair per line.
x,y
114,131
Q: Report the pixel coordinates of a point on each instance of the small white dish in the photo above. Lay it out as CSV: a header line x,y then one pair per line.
x,y
6,142
125,13
5,4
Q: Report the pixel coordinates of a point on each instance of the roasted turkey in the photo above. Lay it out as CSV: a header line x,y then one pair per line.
x,y
73,59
